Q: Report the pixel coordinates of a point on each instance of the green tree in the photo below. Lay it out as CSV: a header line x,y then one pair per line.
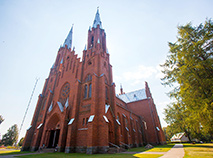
x,y
1,119
169,131
21,141
11,137
189,69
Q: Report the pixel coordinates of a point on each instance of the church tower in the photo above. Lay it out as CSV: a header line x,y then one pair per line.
x,y
96,92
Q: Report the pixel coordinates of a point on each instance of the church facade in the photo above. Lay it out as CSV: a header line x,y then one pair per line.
x,y
78,110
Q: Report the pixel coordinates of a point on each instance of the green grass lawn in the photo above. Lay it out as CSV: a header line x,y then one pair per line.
x,y
198,150
157,148
12,152
3,152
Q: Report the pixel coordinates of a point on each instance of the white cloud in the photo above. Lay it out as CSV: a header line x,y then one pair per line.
x,y
140,73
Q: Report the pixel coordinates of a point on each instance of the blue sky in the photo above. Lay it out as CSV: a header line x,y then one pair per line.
x,y
138,33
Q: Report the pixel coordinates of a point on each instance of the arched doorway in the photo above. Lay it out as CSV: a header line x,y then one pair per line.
x,y
53,131
53,139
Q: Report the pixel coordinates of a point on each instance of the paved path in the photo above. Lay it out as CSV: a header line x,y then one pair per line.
x,y
176,152
14,155
149,152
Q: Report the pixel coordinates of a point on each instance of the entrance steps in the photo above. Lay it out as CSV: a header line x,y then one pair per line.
x,y
48,150
113,150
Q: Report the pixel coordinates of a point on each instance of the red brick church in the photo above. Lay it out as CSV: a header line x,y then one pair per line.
x,y
78,110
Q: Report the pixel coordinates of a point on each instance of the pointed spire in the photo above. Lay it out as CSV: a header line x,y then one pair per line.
x,y
85,48
107,51
97,20
53,66
61,61
68,40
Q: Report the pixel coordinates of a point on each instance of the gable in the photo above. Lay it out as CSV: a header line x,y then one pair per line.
x,y
133,96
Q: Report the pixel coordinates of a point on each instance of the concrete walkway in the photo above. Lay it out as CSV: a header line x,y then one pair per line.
x,y
176,152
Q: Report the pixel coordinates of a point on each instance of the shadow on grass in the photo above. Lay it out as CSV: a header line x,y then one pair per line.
x,y
156,147
198,145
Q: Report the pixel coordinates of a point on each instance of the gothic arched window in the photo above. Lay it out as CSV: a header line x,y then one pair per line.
x,y
85,91
90,90
92,40
88,78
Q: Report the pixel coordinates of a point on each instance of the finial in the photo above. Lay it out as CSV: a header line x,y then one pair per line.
x,y
85,48
121,89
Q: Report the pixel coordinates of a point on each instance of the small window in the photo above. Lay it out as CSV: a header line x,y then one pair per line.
x,y
87,120
106,81
127,123
88,78
92,40
118,117
89,63
83,123
85,91
90,90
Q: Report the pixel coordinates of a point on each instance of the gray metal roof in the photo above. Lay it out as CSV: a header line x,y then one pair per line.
x,y
133,96
97,20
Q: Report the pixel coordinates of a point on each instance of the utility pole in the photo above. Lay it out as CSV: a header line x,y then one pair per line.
x,y
28,107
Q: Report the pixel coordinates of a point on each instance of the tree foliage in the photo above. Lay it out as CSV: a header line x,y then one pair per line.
x,y
169,132
11,137
1,119
21,141
189,70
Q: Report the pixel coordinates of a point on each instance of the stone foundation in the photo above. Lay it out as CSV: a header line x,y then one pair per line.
x,y
33,148
70,149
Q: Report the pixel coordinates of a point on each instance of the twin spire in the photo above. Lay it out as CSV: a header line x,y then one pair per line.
x,y
97,21
68,40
